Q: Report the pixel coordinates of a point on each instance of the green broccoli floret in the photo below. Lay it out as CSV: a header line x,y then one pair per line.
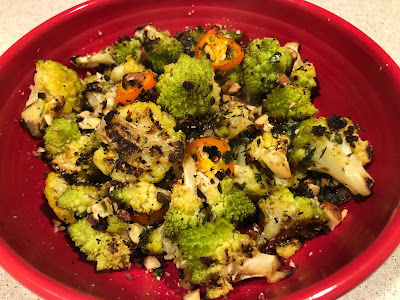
x,y
185,209
226,200
116,225
142,143
254,182
108,250
288,216
304,76
187,88
59,86
79,198
142,196
217,255
77,158
263,62
160,48
330,145
55,187
190,38
271,153
114,54
290,101
61,133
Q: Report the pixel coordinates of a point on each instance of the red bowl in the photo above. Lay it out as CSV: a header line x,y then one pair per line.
x,y
357,78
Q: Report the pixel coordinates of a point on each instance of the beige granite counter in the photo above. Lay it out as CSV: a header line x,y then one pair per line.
x,y
379,19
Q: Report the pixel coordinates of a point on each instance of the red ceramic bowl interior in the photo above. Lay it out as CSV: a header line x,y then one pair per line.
x,y
356,79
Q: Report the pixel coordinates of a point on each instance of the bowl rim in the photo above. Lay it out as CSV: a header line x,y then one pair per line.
x,y
330,287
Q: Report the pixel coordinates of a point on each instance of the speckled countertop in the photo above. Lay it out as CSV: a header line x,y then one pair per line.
x,y
379,19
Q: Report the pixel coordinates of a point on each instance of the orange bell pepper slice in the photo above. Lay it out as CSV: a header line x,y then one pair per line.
x,y
206,164
126,96
218,49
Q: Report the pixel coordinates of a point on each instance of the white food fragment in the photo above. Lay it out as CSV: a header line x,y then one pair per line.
x,y
151,263
99,32
193,295
311,253
291,263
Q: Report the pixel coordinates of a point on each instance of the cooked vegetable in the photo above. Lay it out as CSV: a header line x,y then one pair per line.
x,y
108,250
159,47
285,216
114,54
332,146
224,173
217,46
263,62
290,102
142,143
132,85
187,88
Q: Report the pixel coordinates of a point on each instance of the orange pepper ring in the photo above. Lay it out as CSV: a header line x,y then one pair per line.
x,y
222,145
128,96
222,65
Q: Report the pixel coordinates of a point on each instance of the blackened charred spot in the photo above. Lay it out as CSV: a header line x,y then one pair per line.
x,y
125,38
41,95
93,87
188,85
351,139
318,130
113,246
181,273
336,122
128,116
213,153
156,151
108,118
207,261
369,152
369,182
177,153
149,45
100,225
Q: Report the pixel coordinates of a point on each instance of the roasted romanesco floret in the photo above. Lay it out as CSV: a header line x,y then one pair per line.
x,y
263,62
332,146
108,250
217,255
77,157
142,143
55,187
79,198
187,88
190,38
186,207
61,133
142,196
290,102
288,216
116,225
159,47
226,200
304,76
185,210
114,54
57,90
